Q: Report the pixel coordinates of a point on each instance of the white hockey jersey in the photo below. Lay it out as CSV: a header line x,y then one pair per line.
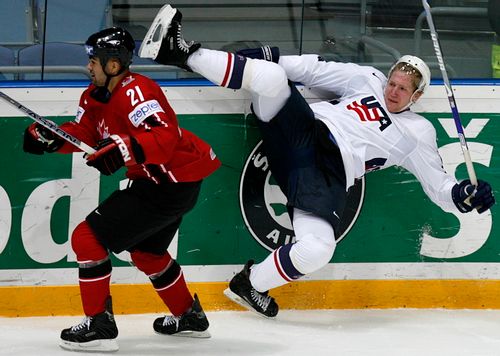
x,y
368,135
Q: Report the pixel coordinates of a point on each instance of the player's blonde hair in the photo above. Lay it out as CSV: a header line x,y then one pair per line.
x,y
409,70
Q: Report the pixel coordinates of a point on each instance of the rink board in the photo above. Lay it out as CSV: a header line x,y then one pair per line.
x,y
348,294
398,250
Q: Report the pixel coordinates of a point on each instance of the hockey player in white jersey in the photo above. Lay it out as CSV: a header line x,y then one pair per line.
x,y
317,151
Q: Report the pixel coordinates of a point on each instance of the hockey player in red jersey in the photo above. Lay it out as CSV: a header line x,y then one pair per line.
x,y
316,151
129,121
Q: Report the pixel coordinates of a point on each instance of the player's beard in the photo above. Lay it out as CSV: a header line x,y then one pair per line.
x,y
101,92
99,82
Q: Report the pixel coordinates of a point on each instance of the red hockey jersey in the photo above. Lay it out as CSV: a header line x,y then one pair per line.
x,y
139,108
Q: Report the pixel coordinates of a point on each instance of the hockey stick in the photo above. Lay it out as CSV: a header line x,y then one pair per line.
x,y
48,124
449,92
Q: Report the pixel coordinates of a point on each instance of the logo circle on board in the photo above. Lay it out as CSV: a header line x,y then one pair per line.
x,y
263,204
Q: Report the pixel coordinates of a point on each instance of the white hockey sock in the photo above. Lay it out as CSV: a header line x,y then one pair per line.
x,y
312,250
265,275
266,81
222,68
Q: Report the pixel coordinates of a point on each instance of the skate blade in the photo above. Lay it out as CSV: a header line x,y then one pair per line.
x,y
91,346
194,334
242,302
151,44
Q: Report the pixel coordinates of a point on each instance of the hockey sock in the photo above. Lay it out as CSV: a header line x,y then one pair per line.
x,y
222,68
94,269
266,81
313,249
268,53
167,279
94,286
276,270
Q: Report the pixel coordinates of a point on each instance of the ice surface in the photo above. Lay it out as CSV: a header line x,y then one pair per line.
x,y
402,332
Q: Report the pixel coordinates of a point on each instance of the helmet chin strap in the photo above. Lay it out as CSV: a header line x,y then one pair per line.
x,y
410,102
102,93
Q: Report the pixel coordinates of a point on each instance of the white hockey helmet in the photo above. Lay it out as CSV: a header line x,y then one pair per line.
x,y
419,65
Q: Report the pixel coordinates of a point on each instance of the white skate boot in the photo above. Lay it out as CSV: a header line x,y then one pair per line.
x,y
164,42
157,31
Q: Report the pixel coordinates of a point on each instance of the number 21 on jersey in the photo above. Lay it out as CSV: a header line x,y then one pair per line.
x,y
135,95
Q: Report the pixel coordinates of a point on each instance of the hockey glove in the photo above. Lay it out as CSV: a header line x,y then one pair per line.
x,y
115,152
38,140
270,54
481,197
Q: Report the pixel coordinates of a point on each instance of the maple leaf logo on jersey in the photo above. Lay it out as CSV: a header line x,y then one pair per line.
x,y
103,129
128,80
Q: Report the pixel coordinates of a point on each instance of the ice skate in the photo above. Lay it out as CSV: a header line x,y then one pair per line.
x,y
94,334
193,323
241,291
164,42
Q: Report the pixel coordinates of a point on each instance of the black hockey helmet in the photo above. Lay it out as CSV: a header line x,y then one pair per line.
x,y
113,42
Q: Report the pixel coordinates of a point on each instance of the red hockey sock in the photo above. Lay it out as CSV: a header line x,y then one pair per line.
x,y
94,269
94,294
176,295
167,279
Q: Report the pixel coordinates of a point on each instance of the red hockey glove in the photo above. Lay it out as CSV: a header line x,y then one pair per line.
x,y
38,139
115,152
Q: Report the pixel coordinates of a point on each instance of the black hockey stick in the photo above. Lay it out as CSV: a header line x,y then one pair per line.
x,y
449,92
48,124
